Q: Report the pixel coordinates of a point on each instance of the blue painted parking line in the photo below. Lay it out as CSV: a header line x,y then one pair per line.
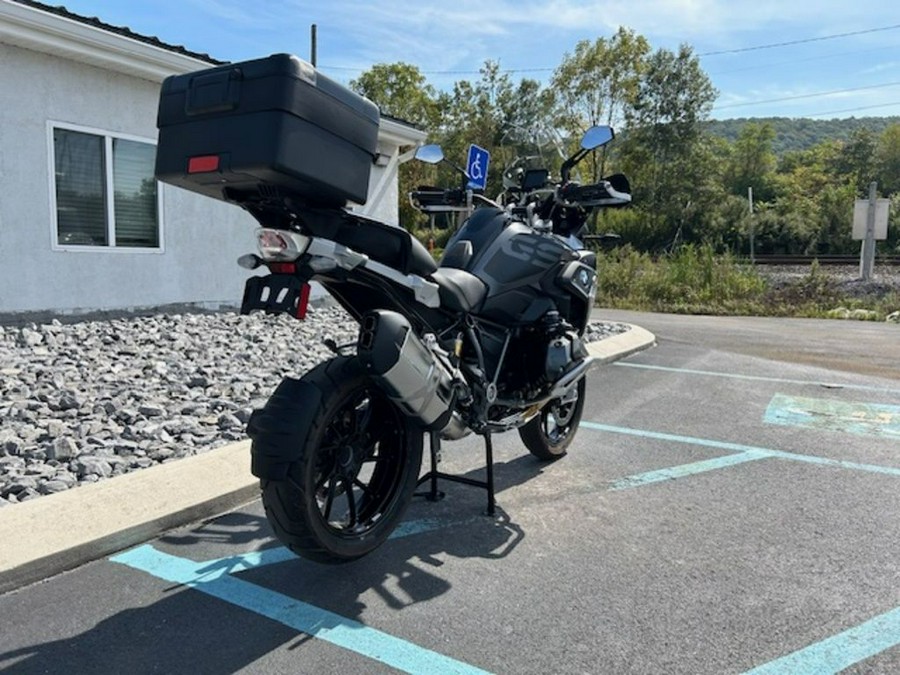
x,y
869,419
829,656
755,378
670,473
218,582
841,651
744,453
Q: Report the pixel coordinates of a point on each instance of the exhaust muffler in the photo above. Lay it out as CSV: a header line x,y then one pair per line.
x,y
413,375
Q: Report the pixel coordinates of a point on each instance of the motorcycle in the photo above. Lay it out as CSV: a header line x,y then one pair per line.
x,y
488,340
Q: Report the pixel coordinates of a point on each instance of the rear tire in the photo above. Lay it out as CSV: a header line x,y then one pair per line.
x,y
549,434
355,474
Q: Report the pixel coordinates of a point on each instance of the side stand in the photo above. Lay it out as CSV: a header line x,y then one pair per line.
x,y
433,494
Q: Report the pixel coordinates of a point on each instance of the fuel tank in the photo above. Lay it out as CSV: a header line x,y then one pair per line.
x,y
522,269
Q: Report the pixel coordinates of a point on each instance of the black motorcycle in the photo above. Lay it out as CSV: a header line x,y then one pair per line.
x,y
488,340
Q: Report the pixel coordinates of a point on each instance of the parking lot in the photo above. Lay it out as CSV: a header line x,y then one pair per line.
x,y
719,512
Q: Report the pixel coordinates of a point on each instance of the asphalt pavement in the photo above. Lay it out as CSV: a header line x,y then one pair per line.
x,y
865,347
721,510
59,532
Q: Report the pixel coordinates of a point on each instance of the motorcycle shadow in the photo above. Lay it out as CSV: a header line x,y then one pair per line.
x,y
412,567
407,569
404,571
232,529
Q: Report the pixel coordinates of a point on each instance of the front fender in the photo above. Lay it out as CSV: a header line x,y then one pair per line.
x,y
279,430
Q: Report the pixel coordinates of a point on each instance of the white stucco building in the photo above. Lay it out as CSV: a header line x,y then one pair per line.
x,y
83,226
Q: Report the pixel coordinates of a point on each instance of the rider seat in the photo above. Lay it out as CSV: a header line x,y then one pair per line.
x,y
459,290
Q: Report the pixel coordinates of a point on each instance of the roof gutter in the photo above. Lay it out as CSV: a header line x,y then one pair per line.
x,y
46,32
400,134
42,31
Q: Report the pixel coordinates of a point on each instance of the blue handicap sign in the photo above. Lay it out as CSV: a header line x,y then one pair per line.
x,y
477,167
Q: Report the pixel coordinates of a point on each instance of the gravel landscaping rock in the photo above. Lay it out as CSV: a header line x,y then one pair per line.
x,y
86,401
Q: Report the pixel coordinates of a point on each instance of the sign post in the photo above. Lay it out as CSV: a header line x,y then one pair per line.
x,y
752,228
870,219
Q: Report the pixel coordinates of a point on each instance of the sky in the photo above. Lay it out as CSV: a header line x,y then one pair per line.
x,y
768,58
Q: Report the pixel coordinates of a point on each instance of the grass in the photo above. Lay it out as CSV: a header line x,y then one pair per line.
x,y
695,280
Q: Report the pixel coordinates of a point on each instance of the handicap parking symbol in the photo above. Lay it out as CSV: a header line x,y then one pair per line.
x,y
477,167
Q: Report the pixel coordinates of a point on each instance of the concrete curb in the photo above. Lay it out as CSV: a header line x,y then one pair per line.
x,y
44,537
619,346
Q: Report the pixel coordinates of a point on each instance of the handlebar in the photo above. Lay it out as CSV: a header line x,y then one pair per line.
x,y
438,200
601,193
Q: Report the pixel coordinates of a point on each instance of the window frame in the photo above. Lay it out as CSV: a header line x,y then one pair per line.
x,y
108,138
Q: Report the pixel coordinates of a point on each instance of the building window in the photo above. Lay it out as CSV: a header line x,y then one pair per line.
x,y
106,194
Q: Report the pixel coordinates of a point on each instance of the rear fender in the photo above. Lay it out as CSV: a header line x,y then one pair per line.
x,y
280,429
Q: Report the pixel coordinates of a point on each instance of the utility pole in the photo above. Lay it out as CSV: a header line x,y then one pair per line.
x,y
312,44
867,258
752,228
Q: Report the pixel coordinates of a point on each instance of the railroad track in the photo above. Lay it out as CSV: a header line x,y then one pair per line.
x,y
848,259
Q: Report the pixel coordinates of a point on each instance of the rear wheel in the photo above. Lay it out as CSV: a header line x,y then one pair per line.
x,y
355,475
549,434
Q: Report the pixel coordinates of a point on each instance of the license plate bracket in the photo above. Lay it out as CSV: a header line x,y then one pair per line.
x,y
276,294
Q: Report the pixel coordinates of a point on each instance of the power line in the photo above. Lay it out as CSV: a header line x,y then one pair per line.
x,y
764,66
799,42
846,110
801,96
739,50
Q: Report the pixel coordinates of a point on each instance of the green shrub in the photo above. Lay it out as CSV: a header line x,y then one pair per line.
x,y
694,280
691,280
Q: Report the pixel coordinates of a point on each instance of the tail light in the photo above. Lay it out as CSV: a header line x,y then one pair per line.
x,y
280,245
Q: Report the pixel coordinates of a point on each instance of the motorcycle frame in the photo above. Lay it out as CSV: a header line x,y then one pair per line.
x,y
360,284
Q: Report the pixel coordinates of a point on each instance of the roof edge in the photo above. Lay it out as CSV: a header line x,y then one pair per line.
x,y
55,30
395,131
49,32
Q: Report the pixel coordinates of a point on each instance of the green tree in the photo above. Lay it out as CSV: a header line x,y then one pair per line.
x,y
752,162
599,83
857,160
497,114
400,90
812,208
666,152
887,160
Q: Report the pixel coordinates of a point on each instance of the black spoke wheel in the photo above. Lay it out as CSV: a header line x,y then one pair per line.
x,y
548,434
355,475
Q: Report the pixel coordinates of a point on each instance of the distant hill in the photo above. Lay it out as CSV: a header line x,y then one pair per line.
x,y
801,133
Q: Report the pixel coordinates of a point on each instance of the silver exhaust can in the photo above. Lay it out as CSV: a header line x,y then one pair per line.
x,y
409,372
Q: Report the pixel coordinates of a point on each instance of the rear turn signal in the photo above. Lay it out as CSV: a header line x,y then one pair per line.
x,y
303,302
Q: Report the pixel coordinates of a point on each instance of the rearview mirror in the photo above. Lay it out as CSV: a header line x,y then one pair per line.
x,y
430,154
597,136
